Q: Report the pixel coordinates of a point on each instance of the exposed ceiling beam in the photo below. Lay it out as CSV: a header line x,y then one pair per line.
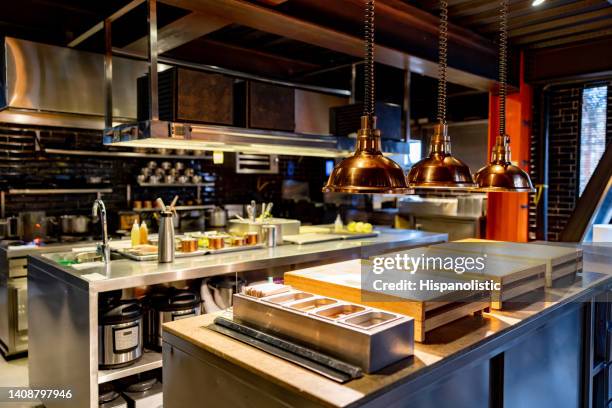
x,y
429,23
514,9
274,22
560,22
98,27
272,2
596,25
179,32
471,8
544,14
209,52
573,38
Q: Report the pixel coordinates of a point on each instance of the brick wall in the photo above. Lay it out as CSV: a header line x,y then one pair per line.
x,y
564,118
563,148
25,163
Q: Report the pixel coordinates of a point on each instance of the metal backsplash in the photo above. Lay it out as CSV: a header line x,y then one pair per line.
x,y
41,77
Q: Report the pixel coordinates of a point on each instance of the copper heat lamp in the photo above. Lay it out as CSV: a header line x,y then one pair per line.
x,y
500,174
367,171
440,169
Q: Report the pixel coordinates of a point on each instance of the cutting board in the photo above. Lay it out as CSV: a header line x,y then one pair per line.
x,y
515,276
342,280
315,237
560,261
179,254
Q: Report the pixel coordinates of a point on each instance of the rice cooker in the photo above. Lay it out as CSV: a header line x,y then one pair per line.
x,y
120,334
166,307
111,399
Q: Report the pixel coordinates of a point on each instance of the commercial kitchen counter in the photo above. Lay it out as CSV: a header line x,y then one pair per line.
x,y
125,273
63,302
547,353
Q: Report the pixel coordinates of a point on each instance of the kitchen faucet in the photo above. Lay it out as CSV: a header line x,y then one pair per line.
x,y
104,247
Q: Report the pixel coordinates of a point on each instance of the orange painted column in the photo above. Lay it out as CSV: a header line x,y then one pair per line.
x,y
507,213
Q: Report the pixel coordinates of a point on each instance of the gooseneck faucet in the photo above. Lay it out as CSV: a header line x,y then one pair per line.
x,y
104,247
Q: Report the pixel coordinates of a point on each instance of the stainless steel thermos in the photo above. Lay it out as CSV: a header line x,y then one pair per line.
x,y
165,244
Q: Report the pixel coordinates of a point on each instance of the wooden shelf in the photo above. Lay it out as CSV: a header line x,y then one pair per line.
x,y
44,191
150,360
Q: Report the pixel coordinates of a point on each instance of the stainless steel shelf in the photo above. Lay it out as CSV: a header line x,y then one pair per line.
x,y
177,208
165,185
45,191
150,360
67,152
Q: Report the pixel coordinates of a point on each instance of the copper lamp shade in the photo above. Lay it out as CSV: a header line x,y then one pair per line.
x,y
500,174
440,169
367,171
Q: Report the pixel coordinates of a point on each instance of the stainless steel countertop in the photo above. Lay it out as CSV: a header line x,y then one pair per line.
x,y
448,348
21,251
124,273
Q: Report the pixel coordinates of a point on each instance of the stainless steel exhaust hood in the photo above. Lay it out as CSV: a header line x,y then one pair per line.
x,y
160,134
56,86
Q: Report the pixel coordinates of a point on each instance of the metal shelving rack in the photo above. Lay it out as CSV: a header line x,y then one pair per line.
x,y
48,191
150,360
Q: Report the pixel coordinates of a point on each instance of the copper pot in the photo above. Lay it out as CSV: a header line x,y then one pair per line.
x,y
216,242
238,241
189,245
251,238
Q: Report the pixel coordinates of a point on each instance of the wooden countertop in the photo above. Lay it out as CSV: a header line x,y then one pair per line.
x,y
472,337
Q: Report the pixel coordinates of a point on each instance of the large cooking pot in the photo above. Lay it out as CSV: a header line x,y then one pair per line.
x,y
74,224
120,334
217,217
166,307
32,225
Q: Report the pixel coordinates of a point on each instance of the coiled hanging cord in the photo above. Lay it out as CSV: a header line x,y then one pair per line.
x,y
368,109
503,55
443,62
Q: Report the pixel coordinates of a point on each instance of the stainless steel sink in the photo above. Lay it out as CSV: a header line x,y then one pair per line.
x,y
69,258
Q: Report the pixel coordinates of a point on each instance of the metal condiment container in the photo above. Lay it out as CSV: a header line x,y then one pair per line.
x,y
165,244
270,235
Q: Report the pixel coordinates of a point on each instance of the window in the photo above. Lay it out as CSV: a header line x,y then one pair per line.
x,y
592,131
416,151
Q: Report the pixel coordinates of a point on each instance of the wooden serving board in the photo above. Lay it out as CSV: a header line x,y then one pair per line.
x,y
515,276
560,261
343,281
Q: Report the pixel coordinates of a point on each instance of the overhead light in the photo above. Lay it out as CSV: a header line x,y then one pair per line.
x,y
217,157
367,171
440,169
536,3
500,174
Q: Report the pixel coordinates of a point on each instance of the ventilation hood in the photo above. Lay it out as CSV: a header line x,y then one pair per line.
x,y
56,86
48,85
160,134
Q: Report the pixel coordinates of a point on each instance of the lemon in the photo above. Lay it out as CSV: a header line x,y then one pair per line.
x,y
351,227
